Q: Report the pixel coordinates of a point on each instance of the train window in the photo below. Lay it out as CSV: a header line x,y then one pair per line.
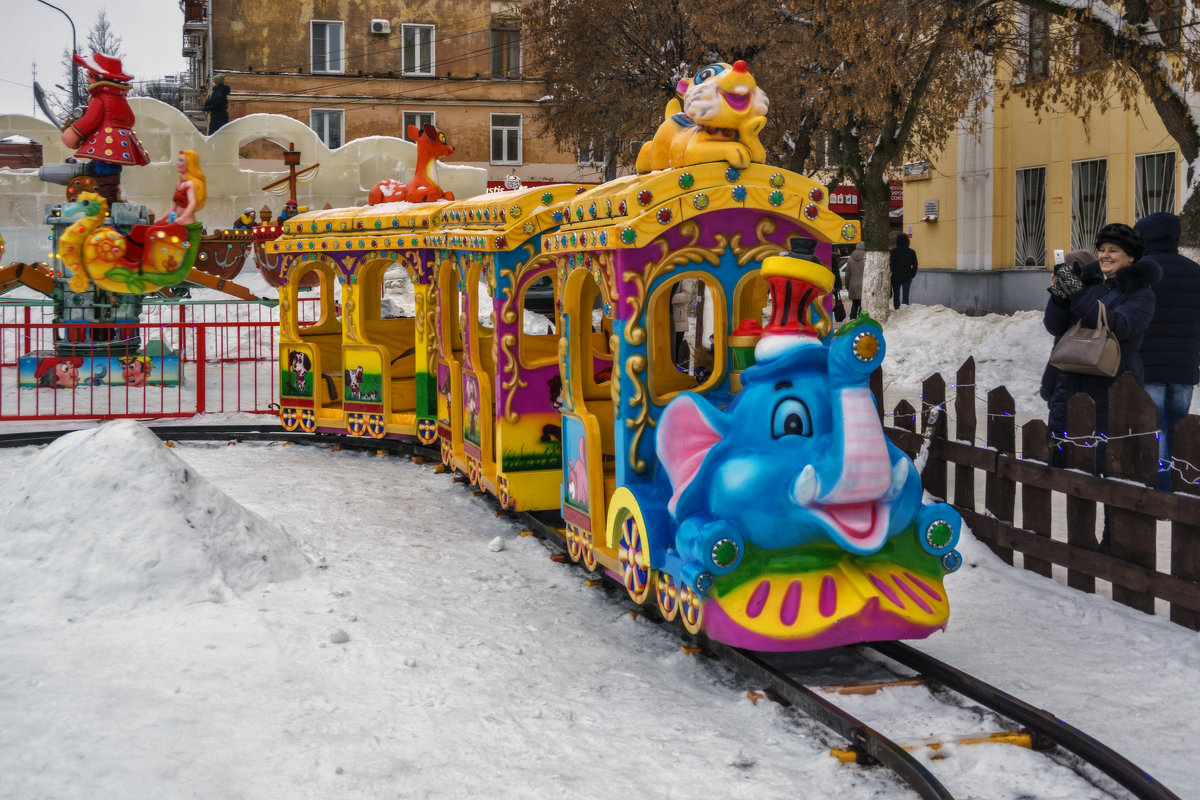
x,y
752,300
539,342
322,309
399,295
686,319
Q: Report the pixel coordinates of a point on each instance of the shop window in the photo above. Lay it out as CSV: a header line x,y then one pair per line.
x,y
1154,183
1031,217
1089,201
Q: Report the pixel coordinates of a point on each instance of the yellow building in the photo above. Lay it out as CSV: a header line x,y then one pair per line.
x,y
1013,187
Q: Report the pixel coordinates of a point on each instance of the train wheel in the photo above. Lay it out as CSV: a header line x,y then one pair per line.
x,y
376,426
289,418
588,546
356,423
574,543
505,494
427,431
691,609
666,595
475,472
447,453
308,420
633,554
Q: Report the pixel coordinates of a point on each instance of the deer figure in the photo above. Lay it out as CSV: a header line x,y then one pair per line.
x,y
422,187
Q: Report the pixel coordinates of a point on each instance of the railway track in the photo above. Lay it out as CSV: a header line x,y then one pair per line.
x,y
785,682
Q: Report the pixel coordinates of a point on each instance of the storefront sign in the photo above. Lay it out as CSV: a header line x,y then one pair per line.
x,y
844,199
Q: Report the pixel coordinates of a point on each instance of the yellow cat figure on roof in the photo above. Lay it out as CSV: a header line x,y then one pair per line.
x,y
722,113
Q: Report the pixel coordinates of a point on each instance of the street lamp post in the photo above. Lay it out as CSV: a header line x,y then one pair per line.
x,y
74,70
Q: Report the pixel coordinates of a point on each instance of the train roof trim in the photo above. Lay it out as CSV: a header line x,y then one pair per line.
x,y
633,211
501,220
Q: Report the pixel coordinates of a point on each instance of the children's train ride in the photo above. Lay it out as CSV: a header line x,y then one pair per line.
x,y
645,358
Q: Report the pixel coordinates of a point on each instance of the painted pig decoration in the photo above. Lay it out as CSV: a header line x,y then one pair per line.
x,y
798,521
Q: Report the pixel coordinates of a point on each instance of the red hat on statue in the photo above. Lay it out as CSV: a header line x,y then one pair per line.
x,y
105,66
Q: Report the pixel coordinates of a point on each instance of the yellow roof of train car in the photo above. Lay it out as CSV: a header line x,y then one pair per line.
x,y
634,210
500,220
385,227
496,221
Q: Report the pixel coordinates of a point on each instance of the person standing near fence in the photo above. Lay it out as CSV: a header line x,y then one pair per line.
x,y
902,262
1122,280
1171,347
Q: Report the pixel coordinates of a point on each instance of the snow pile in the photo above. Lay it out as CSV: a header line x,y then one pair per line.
x,y
1009,351
111,517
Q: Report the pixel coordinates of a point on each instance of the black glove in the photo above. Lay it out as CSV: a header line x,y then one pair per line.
x,y
1067,284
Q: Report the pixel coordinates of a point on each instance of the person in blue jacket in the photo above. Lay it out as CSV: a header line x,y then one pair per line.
x,y
1171,347
1123,281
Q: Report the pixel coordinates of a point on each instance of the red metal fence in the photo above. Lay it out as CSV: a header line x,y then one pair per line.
x,y
179,360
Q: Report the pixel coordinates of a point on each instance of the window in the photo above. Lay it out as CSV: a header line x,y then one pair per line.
x,y
418,118
1031,217
1089,49
506,139
1154,183
330,125
326,46
506,52
1039,45
1089,202
1167,16
418,49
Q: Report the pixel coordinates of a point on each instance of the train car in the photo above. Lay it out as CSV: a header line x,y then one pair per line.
x,y
350,368
742,483
497,347
651,357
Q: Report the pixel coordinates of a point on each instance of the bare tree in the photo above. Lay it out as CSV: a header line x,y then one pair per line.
x,y
611,68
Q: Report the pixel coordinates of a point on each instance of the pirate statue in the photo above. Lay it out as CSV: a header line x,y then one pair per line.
x,y
104,134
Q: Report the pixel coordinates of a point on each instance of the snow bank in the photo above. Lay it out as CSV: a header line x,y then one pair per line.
x,y
111,517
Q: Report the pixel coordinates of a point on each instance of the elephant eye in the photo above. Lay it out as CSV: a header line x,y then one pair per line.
x,y
790,418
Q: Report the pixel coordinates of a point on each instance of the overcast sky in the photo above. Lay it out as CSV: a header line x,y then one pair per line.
x,y
151,33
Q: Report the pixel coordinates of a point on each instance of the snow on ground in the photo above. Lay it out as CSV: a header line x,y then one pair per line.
x,y
386,647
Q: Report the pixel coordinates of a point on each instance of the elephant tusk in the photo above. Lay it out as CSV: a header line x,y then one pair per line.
x,y
807,486
899,478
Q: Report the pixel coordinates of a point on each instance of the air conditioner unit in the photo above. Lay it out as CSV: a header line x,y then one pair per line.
x,y
381,26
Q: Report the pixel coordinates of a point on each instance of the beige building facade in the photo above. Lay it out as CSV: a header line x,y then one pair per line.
x,y
351,69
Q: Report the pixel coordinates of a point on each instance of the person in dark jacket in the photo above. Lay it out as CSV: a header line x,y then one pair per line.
x,y
1076,259
1122,280
217,105
902,260
1171,347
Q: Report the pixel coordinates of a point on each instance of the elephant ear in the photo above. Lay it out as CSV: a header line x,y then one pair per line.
x,y
687,430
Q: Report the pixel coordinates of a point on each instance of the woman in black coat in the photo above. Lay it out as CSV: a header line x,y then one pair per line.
x,y
1120,279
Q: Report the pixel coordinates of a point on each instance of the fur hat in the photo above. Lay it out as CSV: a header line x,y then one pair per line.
x,y
1123,237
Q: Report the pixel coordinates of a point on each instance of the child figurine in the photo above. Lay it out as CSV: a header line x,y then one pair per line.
x,y
104,134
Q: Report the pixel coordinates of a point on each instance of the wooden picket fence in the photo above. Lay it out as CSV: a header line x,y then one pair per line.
x,y
1141,568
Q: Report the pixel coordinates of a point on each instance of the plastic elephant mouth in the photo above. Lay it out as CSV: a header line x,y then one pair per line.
x,y
738,102
862,525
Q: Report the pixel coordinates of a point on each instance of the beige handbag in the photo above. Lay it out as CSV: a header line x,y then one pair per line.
x,y
1088,351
